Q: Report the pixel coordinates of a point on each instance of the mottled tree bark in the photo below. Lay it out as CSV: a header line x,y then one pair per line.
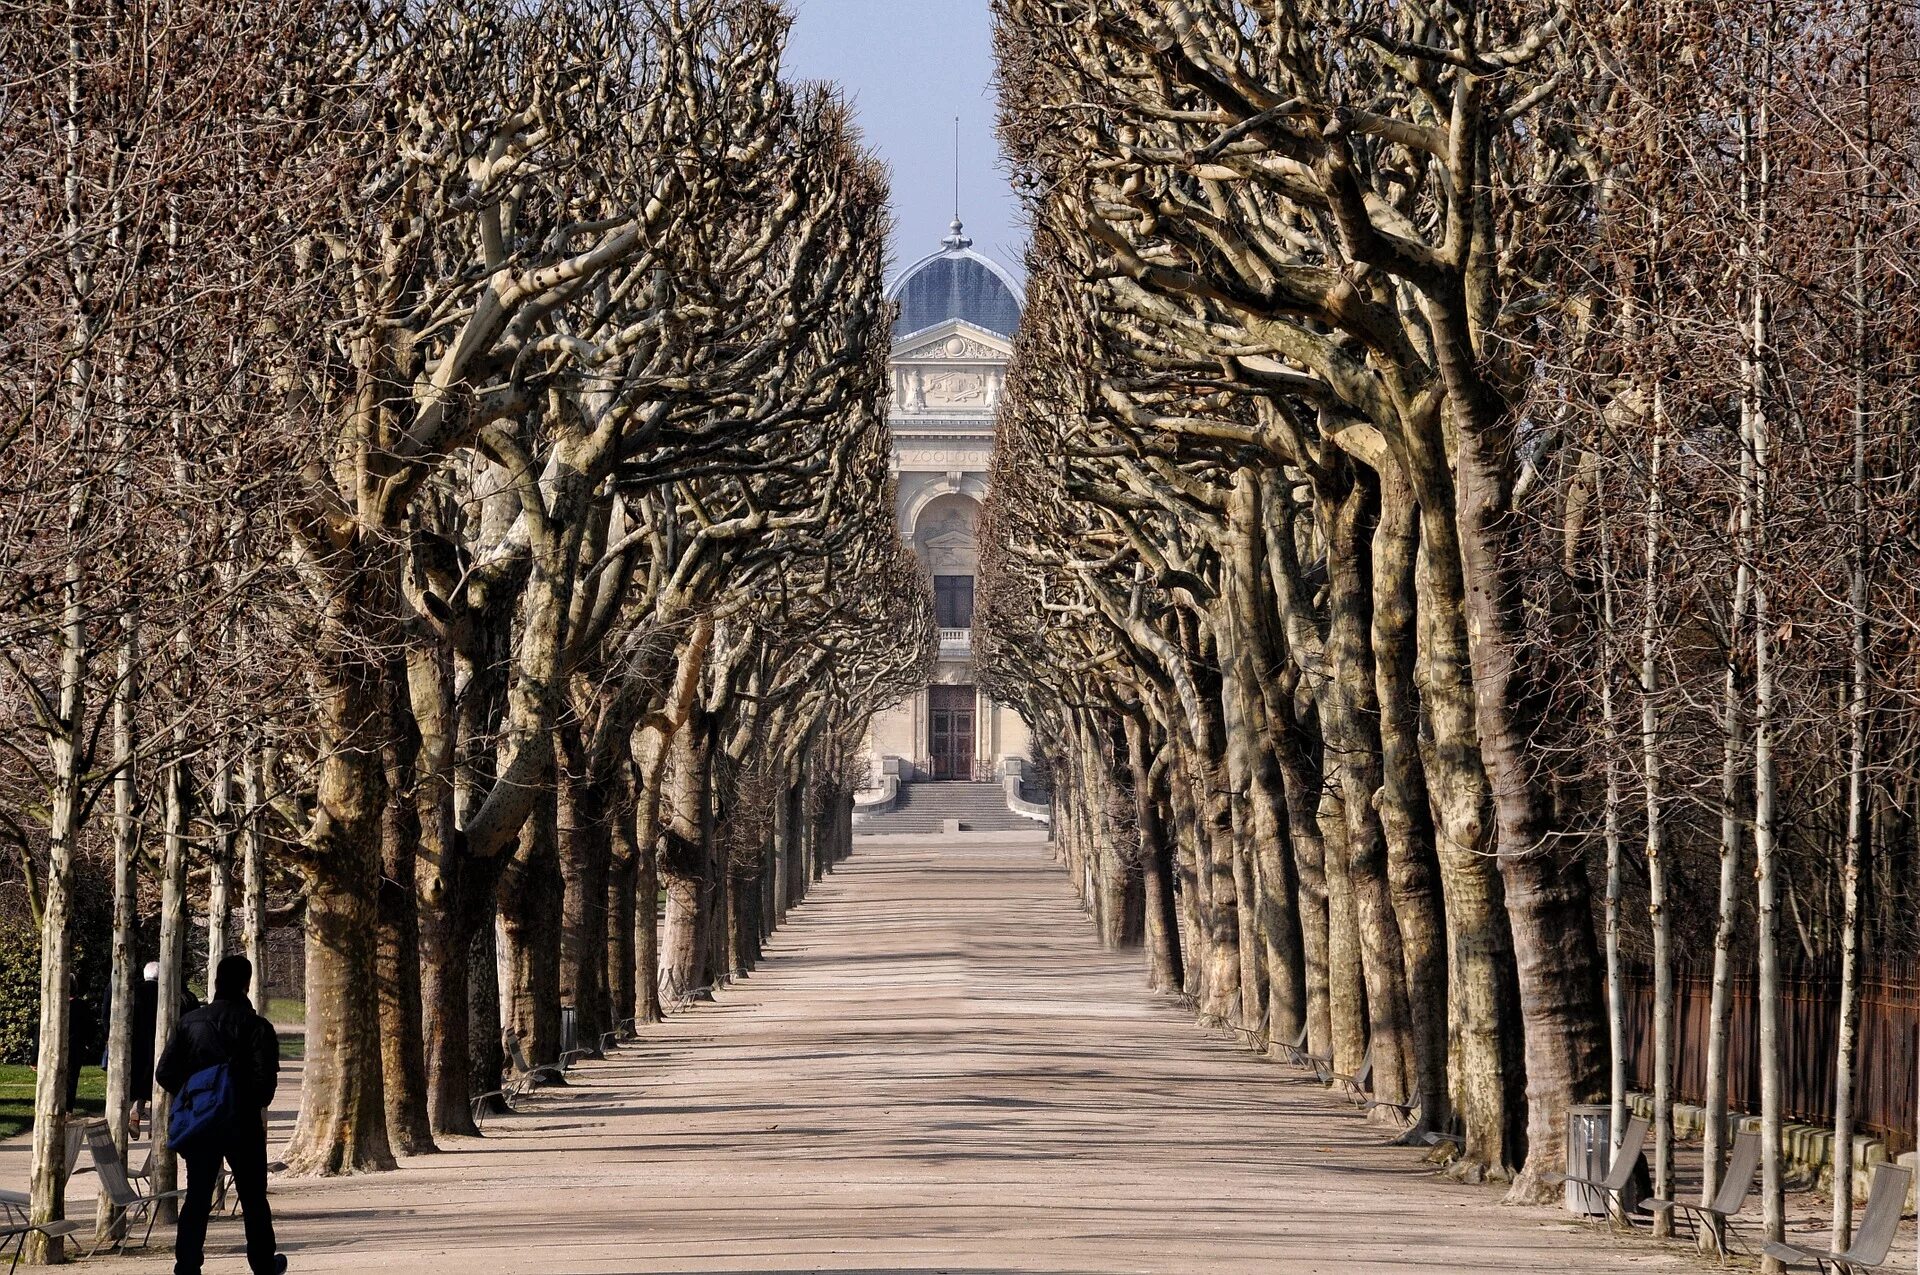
x,y
176,832
1164,958
1184,837
1215,848
529,905
485,1051
1350,713
1248,659
683,866
1547,898
622,913
1487,1045
584,848
403,1064
1406,817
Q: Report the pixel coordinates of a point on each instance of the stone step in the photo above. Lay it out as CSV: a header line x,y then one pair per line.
x,y
930,806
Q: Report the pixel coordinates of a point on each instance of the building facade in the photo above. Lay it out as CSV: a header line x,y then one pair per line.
x,y
951,345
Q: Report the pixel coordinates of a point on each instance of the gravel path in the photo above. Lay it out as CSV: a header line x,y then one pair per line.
x,y
936,1069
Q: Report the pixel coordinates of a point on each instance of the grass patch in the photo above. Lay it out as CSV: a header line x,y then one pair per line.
x,y
285,1009
16,1097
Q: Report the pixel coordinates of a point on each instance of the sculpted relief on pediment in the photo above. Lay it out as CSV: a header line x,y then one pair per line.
x,y
954,347
958,389
924,389
947,545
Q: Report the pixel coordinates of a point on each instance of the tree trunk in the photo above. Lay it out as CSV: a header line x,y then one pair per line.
x,y
175,920
1860,677
585,850
342,1126
1346,982
1164,965
622,915
486,1050
783,843
1184,832
50,1110
219,869
1610,817
682,866
1660,920
1214,844
1350,713
126,905
1756,157
403,1062
253,876
1546,892
1404,805
528,901
1487,1043
1733,824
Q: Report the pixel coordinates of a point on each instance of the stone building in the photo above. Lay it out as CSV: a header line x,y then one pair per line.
x,y
951,344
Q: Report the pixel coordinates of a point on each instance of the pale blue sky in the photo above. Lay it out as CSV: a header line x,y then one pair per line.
x,y
909,67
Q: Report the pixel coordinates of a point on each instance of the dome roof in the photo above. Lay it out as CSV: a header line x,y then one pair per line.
x,y
956,283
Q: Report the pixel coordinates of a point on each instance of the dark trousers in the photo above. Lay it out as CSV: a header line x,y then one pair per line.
x,y
245,1152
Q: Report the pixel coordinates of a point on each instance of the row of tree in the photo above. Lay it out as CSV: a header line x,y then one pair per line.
x,y
1453,525
446,501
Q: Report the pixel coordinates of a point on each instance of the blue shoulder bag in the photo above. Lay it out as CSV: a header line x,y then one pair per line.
x,y
203,1110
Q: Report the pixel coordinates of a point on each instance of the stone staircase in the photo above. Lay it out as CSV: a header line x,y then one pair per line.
x,y
926,805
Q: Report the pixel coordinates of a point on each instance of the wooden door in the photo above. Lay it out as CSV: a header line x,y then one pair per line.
x,y
950,731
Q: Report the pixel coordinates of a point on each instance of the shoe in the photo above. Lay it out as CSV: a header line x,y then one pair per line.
x,y
279,1264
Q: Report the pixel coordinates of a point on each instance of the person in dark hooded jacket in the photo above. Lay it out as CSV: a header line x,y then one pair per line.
x,y
226,1030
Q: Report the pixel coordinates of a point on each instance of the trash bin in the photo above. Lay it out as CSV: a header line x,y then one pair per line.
x,y
1589,1151
568,1042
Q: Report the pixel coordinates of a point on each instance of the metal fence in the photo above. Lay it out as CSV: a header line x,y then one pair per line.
x,y
1884,1081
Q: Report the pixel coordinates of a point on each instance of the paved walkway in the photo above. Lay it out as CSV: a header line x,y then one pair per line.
x,y
936,1069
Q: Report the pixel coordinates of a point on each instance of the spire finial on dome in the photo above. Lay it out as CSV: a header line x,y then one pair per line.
x,y
957,239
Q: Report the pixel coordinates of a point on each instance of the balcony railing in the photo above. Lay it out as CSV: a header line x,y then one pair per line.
x,y
956,639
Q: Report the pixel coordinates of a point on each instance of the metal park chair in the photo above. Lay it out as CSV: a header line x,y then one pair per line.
x,y
1619,1176
1873,1241
1360,1081
1296,1049
16,1233
523,1077
1736,1183
132,1204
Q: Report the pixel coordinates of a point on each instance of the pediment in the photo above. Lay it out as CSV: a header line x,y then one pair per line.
x,y
955,340
950,540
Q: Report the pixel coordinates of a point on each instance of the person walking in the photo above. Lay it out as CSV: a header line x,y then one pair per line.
x,y
146,1013
227,1031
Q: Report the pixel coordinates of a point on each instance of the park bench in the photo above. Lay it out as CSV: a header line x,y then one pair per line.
x,y
1873,1241
1613,1184
132,1204
1736,1183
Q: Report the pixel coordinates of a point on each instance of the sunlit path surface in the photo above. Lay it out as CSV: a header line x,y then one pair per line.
x,y
936,1069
